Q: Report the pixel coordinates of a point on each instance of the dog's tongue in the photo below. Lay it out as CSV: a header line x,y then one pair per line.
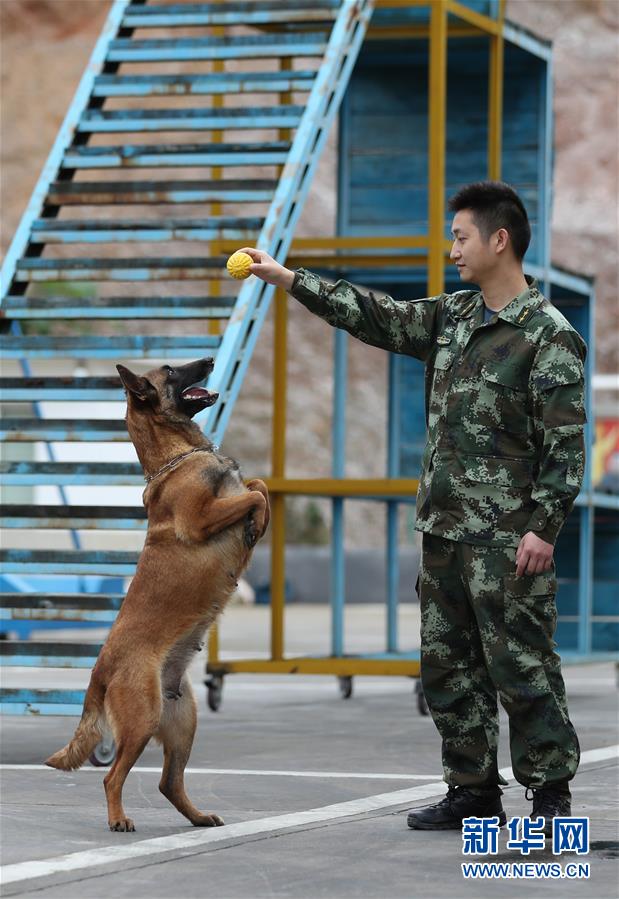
x,y
196,393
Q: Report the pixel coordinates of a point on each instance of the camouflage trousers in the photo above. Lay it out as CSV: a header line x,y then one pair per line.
x,y
485,632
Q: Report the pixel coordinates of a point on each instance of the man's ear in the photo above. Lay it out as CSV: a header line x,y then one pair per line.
x,y
502,239
140,388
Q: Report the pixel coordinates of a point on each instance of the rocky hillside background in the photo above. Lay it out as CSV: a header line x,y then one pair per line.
x,y
45,45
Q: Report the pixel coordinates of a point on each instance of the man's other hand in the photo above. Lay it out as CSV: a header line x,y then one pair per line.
x,y
534,555
266,268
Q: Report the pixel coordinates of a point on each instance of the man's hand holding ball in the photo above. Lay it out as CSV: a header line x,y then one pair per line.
x,y
266,268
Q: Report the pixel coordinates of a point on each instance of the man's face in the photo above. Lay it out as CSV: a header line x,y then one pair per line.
x,y
474,256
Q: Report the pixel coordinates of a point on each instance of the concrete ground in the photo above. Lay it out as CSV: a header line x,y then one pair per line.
x,y
314,790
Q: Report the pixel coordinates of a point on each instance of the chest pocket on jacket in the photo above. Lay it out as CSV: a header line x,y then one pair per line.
x,y
441,373
504,396
440,379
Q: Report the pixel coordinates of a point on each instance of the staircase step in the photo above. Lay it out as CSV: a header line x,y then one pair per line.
x,y
41,701
61,389
199,85
83,193
155,268
112,230
107,347
61,604
177,155
28,430
206,48
60,607
120,307
73,517
46,561
113,474
118,121
229,13
44,654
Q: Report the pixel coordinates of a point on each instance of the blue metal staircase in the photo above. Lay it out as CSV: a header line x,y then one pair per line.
x,y
257,85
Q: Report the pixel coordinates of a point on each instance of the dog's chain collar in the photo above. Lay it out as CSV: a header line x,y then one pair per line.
x,y
198,449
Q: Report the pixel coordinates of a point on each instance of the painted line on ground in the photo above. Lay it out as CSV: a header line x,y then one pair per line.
x,y
197,839
239,772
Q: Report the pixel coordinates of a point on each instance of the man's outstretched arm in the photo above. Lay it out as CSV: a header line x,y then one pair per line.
x,y
400,327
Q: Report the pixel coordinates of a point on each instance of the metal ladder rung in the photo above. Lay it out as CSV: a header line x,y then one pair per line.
x,y
61,389
141,269
83,193
112,230
27,653
199,49
138,120
216,308
41,701
34,615
196,85
62,602
28,430
108,347
176,155
229,13
73,517
78,561
63,473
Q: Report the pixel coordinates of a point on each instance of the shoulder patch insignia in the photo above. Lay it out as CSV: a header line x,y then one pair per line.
x,y
468,308
443,339
526,313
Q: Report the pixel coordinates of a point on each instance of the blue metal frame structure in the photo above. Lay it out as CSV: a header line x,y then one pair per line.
x,y
574,295
326,35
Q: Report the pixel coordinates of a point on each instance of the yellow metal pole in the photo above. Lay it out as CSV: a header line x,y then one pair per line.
x,y
214,290
278,464
437,104
495,101
213,644
285,64
218,65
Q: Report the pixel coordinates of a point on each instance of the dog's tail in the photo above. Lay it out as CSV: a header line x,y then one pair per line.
x,y
88,733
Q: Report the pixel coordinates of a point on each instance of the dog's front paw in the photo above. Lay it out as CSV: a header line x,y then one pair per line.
x,y
251,533
208,821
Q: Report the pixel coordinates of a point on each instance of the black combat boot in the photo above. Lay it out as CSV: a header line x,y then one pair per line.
x,y
549,803
459,803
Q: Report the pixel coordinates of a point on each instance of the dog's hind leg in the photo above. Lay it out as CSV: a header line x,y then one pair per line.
x,y
133,712
176,732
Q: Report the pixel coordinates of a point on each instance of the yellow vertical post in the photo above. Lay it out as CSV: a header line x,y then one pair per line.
x,y
495,101
214,289
213,644
437,106
278,464
216,137
285,64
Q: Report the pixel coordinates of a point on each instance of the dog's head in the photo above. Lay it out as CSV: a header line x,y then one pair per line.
x,y
168,390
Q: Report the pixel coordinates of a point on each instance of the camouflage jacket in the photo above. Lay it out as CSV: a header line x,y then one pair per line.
x,y
504,402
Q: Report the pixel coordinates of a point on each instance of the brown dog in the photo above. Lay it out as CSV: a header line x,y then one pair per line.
x,y
203,523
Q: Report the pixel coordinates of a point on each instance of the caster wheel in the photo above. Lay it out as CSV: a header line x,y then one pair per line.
x,y
104,753
215,688
345,684
422,705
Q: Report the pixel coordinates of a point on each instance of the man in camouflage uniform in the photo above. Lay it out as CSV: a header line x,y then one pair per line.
x,y
503,464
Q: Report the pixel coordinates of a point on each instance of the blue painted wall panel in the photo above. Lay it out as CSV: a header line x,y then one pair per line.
x,y
385,123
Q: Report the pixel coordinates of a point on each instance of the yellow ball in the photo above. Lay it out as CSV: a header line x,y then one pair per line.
x,y
238,265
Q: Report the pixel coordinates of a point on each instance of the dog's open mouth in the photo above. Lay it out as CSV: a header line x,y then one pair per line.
x,y
197,394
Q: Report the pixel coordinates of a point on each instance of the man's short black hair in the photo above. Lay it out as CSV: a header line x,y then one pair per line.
x,y
495,205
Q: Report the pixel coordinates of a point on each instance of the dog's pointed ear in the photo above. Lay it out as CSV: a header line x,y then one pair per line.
x,y
140,388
